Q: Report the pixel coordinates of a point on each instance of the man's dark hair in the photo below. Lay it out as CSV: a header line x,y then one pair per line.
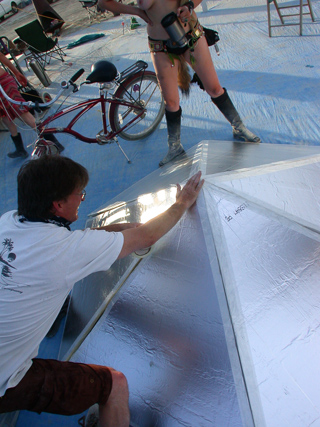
x,y
45,180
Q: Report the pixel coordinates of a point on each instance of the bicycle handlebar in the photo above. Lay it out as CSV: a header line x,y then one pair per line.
x,y
64,85
76,76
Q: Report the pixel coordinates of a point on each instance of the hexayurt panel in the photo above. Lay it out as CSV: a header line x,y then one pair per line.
x,y
215,324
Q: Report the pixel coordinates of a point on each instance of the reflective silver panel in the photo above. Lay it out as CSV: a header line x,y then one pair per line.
x,y
169,328
165,334
271,274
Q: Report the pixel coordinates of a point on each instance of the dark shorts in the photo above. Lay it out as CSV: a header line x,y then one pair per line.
x,y
64,388
7,109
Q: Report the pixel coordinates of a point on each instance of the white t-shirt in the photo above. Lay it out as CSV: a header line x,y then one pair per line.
x,y
39,264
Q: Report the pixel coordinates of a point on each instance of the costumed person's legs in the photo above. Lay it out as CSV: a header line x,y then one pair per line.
x,y
167,75
29,120
9,112
174,130
16,138
240,132
207,74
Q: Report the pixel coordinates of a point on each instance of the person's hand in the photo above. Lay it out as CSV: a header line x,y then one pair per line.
x,y
183,14
189,193
21,79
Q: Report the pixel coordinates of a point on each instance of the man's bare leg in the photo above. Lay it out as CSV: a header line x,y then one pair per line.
x,y
115,413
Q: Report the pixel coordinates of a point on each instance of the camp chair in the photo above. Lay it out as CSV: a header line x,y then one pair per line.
x,y
41,47
299,8
51,22
92,9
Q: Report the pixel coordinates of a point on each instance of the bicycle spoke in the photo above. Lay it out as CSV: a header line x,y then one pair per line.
x,y
143,91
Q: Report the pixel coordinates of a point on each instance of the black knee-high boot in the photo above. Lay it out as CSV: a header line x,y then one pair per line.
x,y
20,151
174,129
225,105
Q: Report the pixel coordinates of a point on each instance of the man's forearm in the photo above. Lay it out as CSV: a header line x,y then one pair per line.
x,y
149,233
118,227
157,227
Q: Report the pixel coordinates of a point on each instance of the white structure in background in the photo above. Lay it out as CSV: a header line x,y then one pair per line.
x,y
219,325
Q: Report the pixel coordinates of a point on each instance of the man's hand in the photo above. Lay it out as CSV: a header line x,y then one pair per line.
x,y
189,193
147,234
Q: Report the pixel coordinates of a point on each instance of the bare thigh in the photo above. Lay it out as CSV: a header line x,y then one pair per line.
x,y
204,67
168,79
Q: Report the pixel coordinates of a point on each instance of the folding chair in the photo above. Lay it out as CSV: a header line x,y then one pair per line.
x,y
41,47
299,8
51,22
92,9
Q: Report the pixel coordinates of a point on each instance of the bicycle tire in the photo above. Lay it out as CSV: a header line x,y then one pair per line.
x,y
143,87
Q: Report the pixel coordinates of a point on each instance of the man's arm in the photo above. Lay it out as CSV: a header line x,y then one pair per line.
x,y
150,232
121,226
116,8
7,63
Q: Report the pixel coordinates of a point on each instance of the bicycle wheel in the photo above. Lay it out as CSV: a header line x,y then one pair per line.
x,y
141,89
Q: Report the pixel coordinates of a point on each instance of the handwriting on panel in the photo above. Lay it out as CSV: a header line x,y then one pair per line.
x,y
238,210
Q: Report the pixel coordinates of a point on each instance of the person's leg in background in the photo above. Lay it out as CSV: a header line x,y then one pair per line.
x,y
167,75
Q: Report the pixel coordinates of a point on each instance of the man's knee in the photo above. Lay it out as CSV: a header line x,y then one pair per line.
x,y
119,383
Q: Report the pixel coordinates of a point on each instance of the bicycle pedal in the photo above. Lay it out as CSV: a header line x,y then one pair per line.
x,y
103,139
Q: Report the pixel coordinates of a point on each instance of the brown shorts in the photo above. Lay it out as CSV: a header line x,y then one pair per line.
x,y
7,109
64,388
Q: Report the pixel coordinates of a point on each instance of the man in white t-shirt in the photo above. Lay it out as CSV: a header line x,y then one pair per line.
x,y
40,261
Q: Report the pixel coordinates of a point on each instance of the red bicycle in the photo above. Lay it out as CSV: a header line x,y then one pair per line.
x,y
136,107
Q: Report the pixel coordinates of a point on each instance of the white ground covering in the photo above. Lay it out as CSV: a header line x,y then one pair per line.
x,y
274,82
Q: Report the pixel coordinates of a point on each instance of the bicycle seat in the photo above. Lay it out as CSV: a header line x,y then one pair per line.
x,y
102,72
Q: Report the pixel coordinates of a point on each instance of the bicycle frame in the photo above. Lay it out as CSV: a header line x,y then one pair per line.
x,y
85,106
124,95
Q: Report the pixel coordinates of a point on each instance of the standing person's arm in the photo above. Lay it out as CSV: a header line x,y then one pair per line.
x,y
116,8
184,12
147,234
7,63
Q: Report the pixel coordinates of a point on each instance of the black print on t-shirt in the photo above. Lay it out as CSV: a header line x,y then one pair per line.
x,y
6,259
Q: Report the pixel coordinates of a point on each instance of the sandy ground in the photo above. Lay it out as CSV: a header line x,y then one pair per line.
x,y
72,12
274,82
